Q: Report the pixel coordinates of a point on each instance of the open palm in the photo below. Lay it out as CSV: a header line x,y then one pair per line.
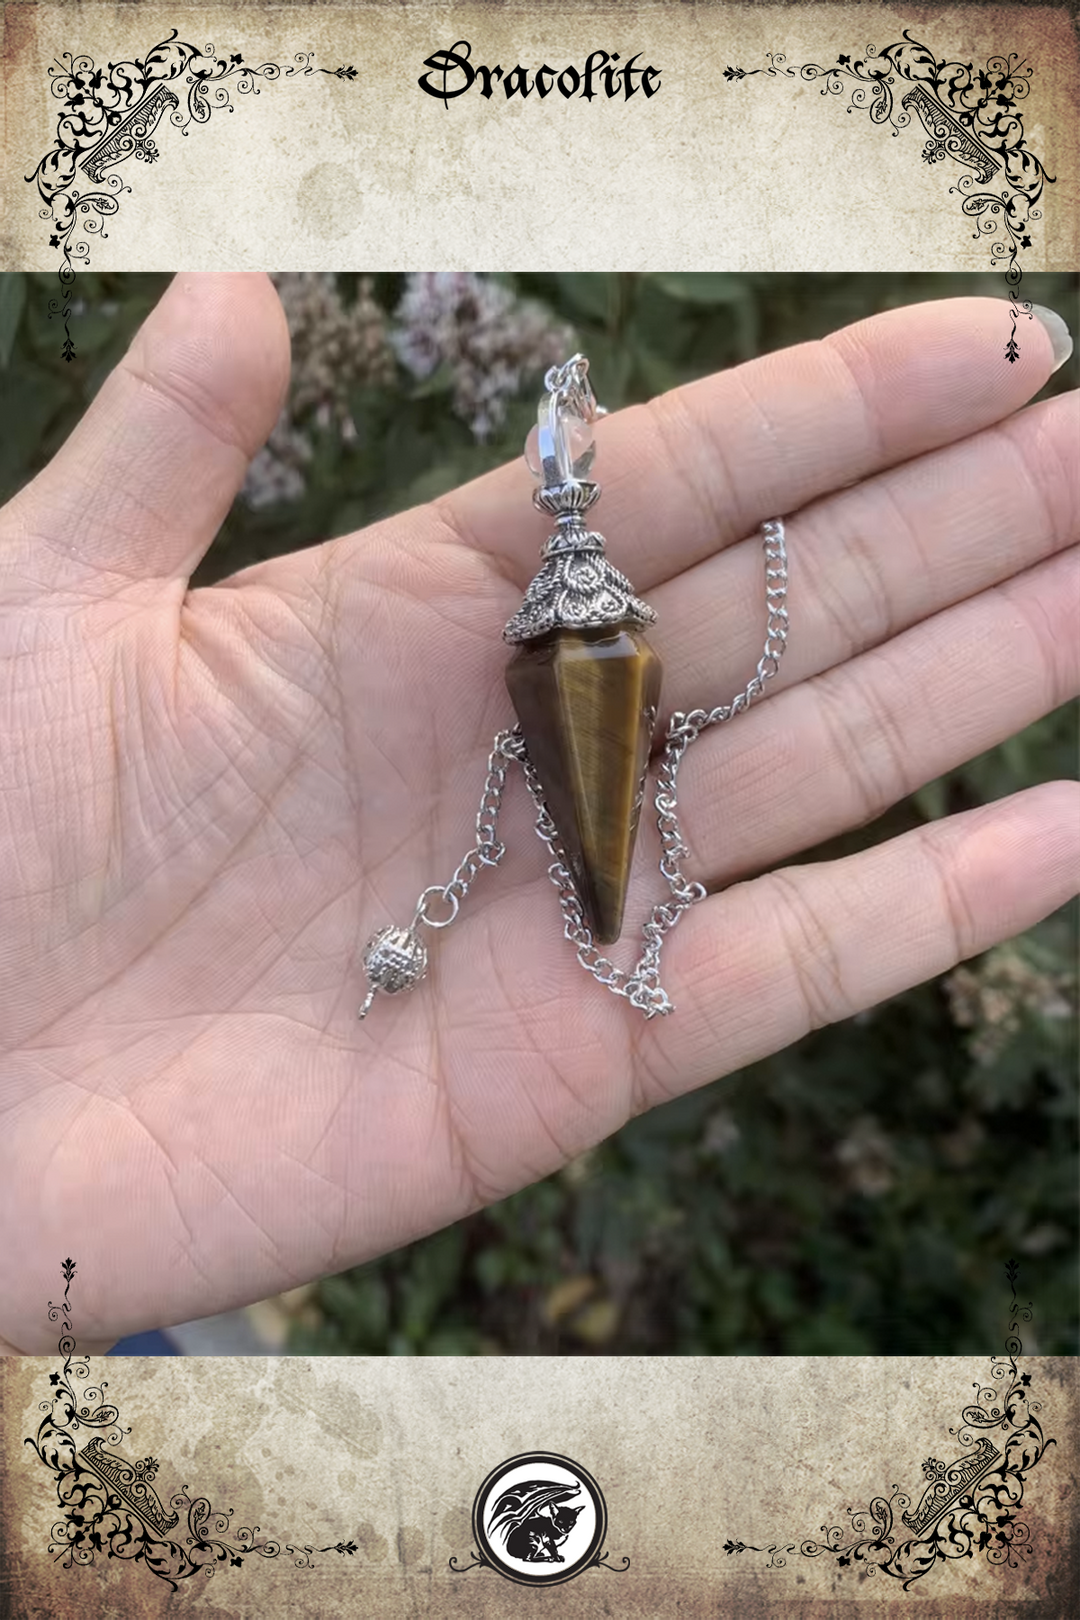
x,y
212,797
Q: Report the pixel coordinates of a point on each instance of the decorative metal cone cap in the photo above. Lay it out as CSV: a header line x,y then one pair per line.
x,y
577,589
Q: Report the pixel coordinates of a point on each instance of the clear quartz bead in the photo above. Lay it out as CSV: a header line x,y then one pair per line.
x,y
561,446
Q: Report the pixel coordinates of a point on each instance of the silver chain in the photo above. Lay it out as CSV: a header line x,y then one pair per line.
x,y
396,958
487,851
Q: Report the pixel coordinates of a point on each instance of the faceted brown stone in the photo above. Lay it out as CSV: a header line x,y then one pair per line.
x,y
587,701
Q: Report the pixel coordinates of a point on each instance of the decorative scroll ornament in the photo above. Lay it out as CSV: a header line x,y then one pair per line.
x,y
948,138
949,1483
109,114
108,1505
131,1481
970,115
131,138
967,1507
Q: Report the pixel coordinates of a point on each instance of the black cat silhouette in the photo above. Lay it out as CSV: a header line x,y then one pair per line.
x,y
536,1540
533,1521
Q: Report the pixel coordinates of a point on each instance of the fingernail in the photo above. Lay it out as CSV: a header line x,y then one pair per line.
x,y
1060,336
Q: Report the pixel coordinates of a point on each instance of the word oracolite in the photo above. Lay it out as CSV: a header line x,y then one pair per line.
x,y
598,76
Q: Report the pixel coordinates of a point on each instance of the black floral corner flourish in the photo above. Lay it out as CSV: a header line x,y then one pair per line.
x,y
108,1505
109,114
968,1506
970,115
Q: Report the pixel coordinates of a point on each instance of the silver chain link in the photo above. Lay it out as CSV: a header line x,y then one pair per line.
x,y
487,851
641,986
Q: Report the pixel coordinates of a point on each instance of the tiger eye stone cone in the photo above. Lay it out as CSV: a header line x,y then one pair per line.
x,y
587,701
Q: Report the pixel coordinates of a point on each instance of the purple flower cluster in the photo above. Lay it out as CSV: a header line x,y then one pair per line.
x,y
334,347
491,341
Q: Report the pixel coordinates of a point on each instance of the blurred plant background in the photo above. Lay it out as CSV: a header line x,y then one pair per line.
x,y
858,1193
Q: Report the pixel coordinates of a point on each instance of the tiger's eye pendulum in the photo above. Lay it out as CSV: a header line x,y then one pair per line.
x,y
585,685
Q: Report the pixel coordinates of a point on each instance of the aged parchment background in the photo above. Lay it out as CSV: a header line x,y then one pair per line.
x,y
317,173
763,173
689,1452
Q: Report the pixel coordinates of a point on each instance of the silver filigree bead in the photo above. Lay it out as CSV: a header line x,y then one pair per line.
x,y
394,959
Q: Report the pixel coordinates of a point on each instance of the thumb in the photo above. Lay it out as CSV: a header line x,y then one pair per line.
x,y
144,482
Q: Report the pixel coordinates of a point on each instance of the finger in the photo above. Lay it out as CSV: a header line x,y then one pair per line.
x,y
705,464
758,967
144,482
836,751
869,562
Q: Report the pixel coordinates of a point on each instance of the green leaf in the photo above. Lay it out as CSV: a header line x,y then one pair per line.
x,y
361,1303
656,372
610,365
29,400
439,480
588,292
704,287
461,1341
91,330
441,381
491,1269
12,303
932,799
348,518
434,1270
775,1291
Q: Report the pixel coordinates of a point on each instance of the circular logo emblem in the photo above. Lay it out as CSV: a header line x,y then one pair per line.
x,y
539,1519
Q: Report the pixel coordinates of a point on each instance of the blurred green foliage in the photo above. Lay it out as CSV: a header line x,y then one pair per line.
x,y
858,1193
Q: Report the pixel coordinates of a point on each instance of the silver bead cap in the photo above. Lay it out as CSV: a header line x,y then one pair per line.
x,y
562,499
577,588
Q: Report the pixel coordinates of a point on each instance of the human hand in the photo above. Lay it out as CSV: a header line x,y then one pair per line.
x,y
212,797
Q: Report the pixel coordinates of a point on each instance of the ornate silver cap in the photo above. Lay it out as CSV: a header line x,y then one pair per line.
x,y
577,588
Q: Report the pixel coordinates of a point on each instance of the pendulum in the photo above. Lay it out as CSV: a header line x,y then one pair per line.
x,y
585,682
585,685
